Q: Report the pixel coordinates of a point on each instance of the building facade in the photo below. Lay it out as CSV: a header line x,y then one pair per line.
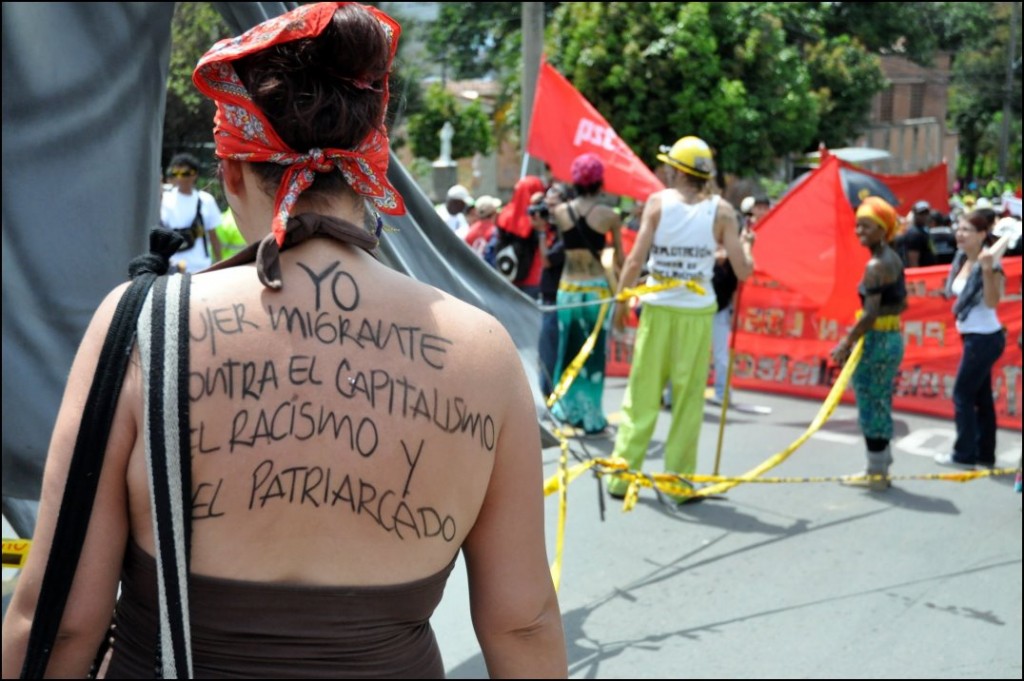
x,y
908,118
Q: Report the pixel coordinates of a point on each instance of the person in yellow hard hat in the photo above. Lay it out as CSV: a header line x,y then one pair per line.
x,y
681,228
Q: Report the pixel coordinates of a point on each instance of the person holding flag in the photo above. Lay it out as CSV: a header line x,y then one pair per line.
x,y
681,228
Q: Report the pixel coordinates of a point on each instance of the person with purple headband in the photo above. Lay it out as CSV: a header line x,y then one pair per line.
x,y
584,224
347,442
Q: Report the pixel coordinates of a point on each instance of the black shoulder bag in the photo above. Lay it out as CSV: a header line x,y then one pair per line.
x,y
197,229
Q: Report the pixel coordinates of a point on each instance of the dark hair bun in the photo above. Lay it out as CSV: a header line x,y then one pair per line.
x,y
323,92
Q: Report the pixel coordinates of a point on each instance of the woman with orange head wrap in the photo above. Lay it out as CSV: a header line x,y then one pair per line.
x,y
883,295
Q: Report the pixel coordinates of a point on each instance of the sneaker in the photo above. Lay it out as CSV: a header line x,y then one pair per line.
x,y
715,400
952,461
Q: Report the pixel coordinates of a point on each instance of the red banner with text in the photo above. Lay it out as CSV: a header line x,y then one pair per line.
x,y
782,346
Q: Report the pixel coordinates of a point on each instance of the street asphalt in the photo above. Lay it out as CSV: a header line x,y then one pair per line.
x,y
793,580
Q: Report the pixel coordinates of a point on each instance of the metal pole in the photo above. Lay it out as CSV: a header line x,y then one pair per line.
x,y
726,396
1011,57
533,44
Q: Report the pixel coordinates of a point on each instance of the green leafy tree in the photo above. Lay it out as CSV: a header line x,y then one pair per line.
x,y
912,29
484,40
479,39
759,76
188,118
845,78
472,127
843,74
978,91
721,71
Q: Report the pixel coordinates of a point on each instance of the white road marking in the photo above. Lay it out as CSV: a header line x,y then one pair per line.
x,y
837,437
927,441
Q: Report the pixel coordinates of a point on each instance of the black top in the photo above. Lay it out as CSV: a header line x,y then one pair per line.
x,y
581,235
552,274
892,294
917,239
724,280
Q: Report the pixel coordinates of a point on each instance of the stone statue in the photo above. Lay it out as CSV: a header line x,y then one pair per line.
x,y
446,134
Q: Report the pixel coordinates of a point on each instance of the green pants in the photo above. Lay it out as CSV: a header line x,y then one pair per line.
x,y
672,344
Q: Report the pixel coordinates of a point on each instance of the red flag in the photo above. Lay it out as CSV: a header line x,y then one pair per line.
x,y
564,125
929,185
807,242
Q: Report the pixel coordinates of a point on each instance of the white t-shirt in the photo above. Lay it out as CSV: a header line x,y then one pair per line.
x,y
980,319
178,211
458,222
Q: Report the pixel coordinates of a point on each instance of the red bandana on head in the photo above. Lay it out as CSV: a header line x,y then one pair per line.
x,y
242,133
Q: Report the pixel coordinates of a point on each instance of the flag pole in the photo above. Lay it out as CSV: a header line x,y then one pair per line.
x,y
526,161
726,396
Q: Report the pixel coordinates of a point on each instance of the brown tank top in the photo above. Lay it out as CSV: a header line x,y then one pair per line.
x,y
257,630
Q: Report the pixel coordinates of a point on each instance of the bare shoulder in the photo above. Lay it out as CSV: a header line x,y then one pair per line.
x,y
609,219
105,312
476,326
562,215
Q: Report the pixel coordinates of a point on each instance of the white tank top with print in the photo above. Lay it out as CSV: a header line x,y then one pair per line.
x,y
683,249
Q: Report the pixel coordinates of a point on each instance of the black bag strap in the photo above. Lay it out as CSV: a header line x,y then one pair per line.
x,y
198,219
90,448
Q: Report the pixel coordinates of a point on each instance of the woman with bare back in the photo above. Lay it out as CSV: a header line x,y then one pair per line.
x,y
346,438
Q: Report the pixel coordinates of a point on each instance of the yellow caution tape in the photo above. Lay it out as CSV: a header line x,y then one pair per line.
x,y
676,485
823,415
15,552
625,295
563,508
669,282
570,372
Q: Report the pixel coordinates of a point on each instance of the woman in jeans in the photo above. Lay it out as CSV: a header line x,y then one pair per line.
x,y
976,280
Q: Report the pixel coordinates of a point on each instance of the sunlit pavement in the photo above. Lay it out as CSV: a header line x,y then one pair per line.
x,y
805,580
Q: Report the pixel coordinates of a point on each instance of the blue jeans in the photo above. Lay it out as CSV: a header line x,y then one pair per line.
x,y
973,404
721,326
548,350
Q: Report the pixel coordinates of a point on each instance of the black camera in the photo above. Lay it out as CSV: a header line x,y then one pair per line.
x,y
540,210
